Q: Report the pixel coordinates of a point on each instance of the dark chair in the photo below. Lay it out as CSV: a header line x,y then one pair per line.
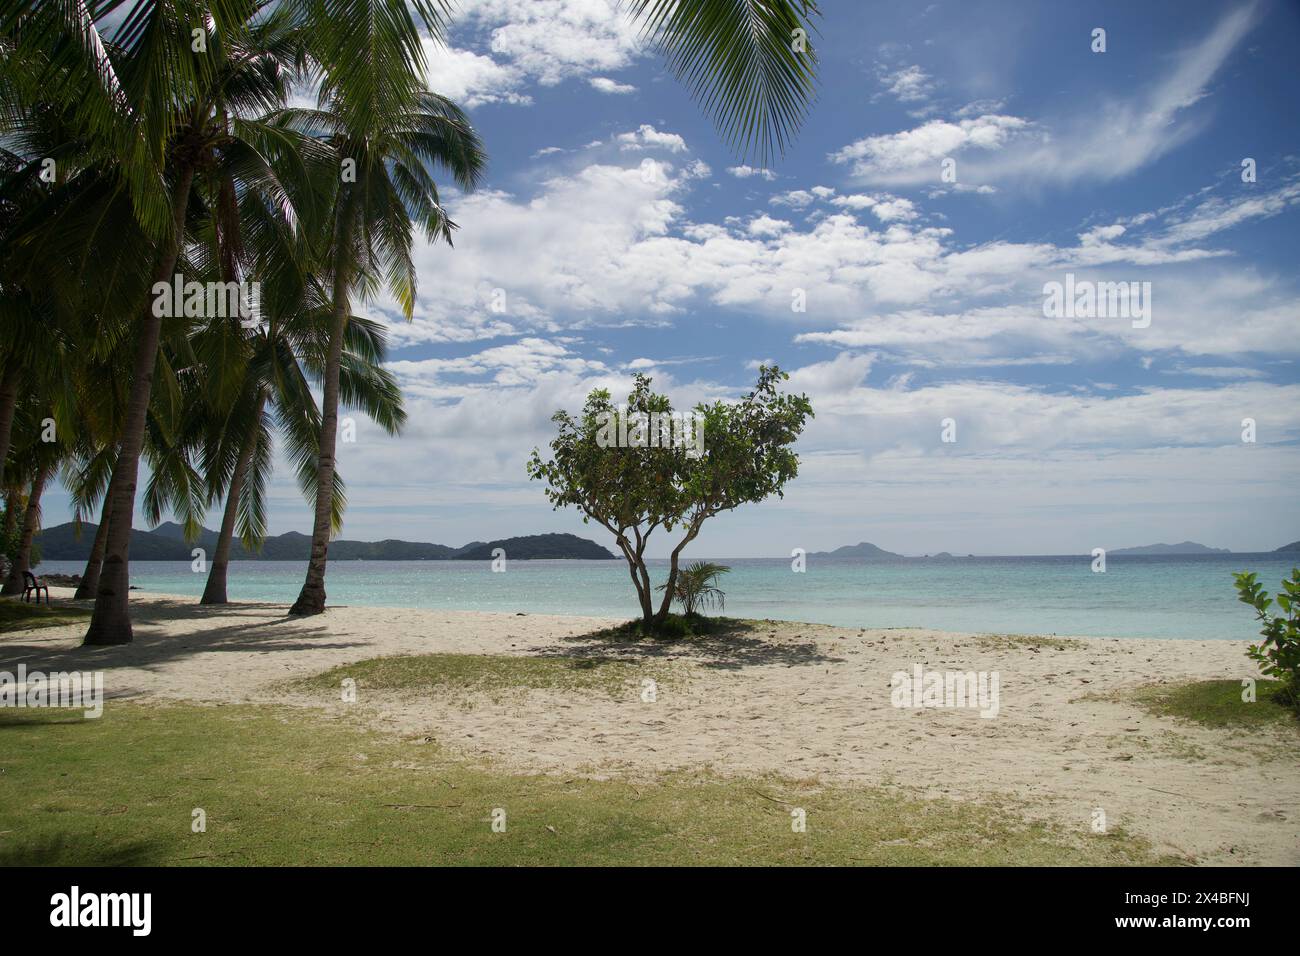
x,y
35,586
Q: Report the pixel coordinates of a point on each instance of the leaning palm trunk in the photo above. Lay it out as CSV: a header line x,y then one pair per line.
x,y
671,587
8,401
311,600
31,520
90,577
111,621
215,590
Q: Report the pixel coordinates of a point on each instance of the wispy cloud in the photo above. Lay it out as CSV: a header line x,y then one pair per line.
x,y
1113,138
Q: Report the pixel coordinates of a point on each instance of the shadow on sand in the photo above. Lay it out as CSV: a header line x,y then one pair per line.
x,y
729,644
260,627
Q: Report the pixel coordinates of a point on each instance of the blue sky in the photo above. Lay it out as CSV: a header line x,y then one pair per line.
x,y
622,235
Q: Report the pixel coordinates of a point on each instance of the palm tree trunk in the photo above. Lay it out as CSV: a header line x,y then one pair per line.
x,y
31,520
215,590
311,600
111,621
8,402
90,577
672,575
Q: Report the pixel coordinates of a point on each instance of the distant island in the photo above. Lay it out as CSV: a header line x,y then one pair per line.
x,y
1187,547
167,543
864,549
1291,548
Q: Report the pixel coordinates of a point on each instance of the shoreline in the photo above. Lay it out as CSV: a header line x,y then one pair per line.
x,y
809,701
1223,620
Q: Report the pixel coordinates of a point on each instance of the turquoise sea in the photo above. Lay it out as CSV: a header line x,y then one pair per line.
x,y
1168,597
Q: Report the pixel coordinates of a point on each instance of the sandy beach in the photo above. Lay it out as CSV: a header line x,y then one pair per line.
x,y
805,701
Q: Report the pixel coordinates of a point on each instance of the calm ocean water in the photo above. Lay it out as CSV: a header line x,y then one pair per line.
x,y
1171,597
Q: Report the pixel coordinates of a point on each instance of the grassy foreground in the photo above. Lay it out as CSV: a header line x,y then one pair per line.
x,y
281,787
16,614
487,673
1218,703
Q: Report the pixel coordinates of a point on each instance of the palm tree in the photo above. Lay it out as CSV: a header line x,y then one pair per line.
x,y
287,353
20,561
750,62
162,109
148,114
745,59
42,448
696,586
387,190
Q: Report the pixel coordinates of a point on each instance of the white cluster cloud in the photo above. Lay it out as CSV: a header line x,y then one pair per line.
x,y
909,84
745,172
612,244
472,79
501,47
914,155
603,84
647,137
886,208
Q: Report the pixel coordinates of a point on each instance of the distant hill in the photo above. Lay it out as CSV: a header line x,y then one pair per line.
x,y
1291,548
864,549
537,547
61,544
1187,547
167,543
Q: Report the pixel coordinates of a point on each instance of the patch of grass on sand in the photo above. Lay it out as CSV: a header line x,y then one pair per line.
x,y
1011,642
1218,703
17,615
674,628
285,787
488,673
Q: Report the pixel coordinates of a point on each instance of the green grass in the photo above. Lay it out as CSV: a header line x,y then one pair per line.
x,y
488,673
1218,703
675,627
16,615
281,787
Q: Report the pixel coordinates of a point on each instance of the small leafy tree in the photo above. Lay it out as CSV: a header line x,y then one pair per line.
x,y
1278,654
635,487
697,587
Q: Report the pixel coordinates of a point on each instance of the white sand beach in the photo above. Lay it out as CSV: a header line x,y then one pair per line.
x,y
805,701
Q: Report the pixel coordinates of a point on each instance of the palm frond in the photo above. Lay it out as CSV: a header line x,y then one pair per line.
x,y
750,63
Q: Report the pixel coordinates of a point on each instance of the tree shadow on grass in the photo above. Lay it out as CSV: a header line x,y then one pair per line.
x,y
68,850
36,718
727,644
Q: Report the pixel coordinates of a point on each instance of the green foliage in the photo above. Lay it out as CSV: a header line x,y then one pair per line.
x,y
750,62
635,487
672,627
1278,654
11,525
1218,703
697,587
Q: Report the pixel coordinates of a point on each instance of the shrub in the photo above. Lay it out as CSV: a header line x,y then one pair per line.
x,y
635,482
697,587
1278,654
